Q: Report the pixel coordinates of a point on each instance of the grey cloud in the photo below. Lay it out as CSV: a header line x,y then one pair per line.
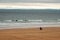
x,y
41,1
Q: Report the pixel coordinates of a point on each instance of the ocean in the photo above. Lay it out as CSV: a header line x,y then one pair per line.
x,y
26,17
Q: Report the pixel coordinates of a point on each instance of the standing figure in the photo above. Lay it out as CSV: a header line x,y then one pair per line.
x,y
40,28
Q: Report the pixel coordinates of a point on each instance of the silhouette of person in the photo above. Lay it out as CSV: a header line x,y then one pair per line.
x,y
16,20
40,28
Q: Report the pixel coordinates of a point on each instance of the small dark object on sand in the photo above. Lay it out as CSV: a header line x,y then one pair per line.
x,y
40,28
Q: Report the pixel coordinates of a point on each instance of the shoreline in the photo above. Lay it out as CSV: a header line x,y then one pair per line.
x,y
28,27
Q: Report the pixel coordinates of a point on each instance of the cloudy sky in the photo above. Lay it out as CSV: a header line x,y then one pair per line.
x,y
40,1
30,4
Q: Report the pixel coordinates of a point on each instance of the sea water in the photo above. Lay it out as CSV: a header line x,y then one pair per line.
x,y
27,18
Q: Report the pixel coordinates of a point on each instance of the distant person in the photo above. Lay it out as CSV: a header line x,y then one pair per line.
x,y
40,28
16,20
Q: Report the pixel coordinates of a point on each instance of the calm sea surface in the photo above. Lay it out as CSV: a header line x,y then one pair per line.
x,y
29,17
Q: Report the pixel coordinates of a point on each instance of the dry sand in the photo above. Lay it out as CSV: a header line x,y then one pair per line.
x,y
49,33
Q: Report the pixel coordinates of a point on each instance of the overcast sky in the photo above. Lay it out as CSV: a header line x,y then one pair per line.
x,y
38,1
30,4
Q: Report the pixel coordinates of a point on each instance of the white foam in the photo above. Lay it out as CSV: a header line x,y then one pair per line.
x,y
8,20
28,25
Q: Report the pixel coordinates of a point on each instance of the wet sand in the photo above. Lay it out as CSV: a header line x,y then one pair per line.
x,y
48,33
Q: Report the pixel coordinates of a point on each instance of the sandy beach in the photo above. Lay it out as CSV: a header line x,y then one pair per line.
x,y
48,33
